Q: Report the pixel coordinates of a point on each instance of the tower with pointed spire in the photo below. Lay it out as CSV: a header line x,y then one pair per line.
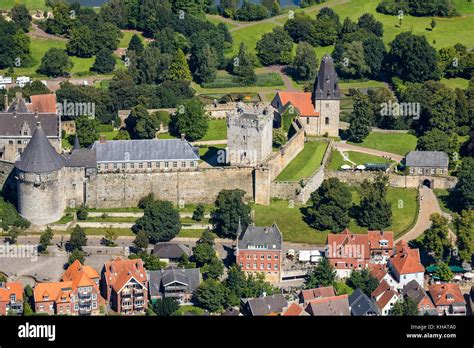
x,y
40,181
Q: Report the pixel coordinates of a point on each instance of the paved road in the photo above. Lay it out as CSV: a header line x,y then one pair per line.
x,y
428,205
348,147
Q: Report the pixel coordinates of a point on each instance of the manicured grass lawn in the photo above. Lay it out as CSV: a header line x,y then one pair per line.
x,y
359,158
116,210
250,36
101,231
295,229
192,233
217,130
213,155
182,310
111,219
398,143
456,82
110,135
307,161
127,36
30,4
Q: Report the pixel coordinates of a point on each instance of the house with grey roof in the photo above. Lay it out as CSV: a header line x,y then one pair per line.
x,y
362,305
17,125
419,296
147,155
259,250
171,251
427,163
177,283
266,305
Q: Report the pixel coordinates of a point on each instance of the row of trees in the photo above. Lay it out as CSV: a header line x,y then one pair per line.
x,y
439,8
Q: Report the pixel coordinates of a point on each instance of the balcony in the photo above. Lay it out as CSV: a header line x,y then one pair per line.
x,y
138,291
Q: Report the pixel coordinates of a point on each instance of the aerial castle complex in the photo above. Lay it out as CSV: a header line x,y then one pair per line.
x,y
118,173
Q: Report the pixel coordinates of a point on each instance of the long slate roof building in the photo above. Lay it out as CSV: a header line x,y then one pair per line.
x,y
434,159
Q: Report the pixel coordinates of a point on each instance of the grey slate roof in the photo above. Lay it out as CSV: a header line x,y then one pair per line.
x,y
171,250
268,237
145,150
360,304
427,159
11,124
191,277
81,158
414,291
18,105
39,155
326,86
265,305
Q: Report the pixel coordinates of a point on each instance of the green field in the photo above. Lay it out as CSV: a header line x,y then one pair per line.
x,y
359,158
250,36
457,82
307,161
30,4
127,36
398,143
294,229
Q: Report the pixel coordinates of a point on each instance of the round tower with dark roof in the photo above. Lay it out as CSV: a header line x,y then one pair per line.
x,y
39,186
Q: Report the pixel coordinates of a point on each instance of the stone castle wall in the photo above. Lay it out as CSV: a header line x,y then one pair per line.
x,y
200,186
6,168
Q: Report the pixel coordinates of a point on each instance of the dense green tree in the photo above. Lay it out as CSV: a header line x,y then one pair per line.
x,y
443,272
374,211
21,16
438,140
204,250
321,275
104,62
82,212
45,239
81,42
405,307
325,31
191,120
244,66
279,138
204,64
251,12
198,213
305,64
411,58
87,130
301,28
165,306
135,44
78,238
435,240
368,22
179,69
14,46
76,254
142,125
364,280
230,209
150,262
361,119
55,63
351,62
374,54
211,295
161,222
224,29
464,189
348,26
463,225
213,269
141,240
275,47
107,36
190,7
330,205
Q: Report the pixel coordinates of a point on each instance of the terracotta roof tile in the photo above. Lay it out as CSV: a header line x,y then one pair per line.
x,y
301,101
43,103
55,291
380,289
446,294
406,260
310,294
385,298
11,288
119,272
294,310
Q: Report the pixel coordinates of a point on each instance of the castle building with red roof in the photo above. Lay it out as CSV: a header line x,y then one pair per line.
x,y
318,110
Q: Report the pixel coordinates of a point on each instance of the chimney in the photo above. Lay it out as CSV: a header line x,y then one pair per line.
x,y
183,136
38,124
36,113
103,139
5,102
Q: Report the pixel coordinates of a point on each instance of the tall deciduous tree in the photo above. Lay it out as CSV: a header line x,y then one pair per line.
x,y
330,207
374,211
191,120
275,47
435,240
55,63
161,222
305,63
21,16
360,119
243,66
179,69
104,62
230,210
321,275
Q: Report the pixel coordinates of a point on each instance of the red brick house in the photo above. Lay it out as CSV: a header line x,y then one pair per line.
x,y
124,285
11,298
259,249
53,298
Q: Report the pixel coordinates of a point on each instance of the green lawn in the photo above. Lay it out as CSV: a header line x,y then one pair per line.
x,y
456,82
359,158
127,36
217,130
307,161
216,20
213,155
30,4
182,310
250,36
294,229
398,143
192,233
110,219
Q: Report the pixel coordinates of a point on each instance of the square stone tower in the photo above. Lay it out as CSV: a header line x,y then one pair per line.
x,y
326,99
249,134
